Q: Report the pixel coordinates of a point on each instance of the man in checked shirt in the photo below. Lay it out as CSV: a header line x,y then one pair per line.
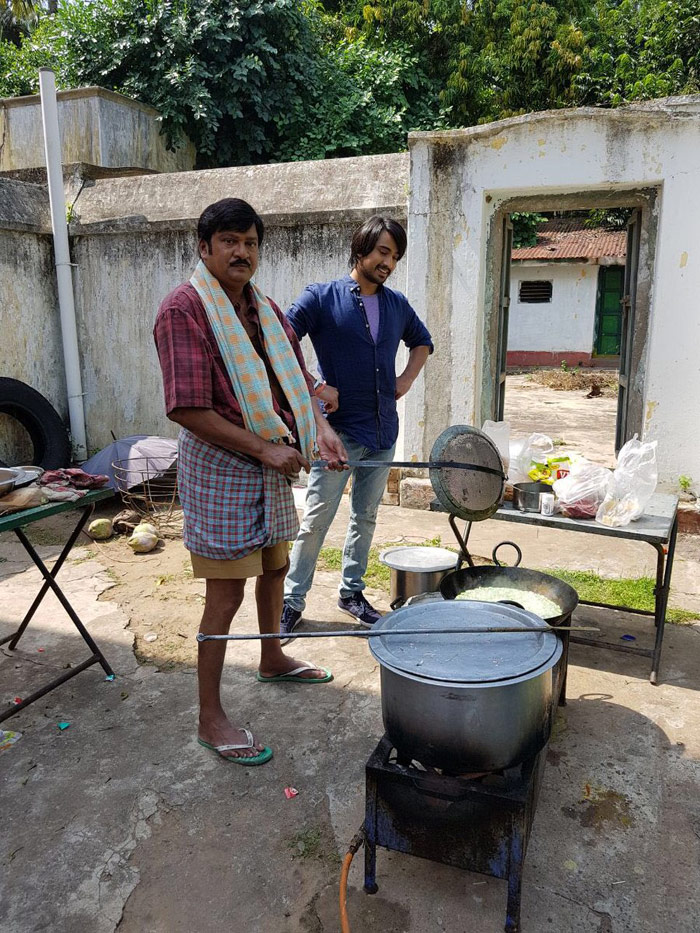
x,y
236,383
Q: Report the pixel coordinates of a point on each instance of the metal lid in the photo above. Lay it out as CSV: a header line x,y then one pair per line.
x,y
469,494
419,559
475,659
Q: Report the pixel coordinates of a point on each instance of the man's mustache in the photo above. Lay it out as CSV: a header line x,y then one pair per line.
x,y
241,262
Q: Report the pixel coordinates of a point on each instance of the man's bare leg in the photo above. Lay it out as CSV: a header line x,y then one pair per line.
x,y
269,596
223,599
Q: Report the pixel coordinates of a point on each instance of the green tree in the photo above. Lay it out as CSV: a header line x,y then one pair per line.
x,y
16,17
491,58
643,49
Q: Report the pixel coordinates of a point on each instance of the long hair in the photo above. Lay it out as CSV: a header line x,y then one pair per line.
x,y
364,239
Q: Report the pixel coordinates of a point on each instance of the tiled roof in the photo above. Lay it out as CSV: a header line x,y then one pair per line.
x,y
570,239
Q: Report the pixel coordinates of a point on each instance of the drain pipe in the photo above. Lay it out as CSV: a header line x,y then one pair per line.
x,y
64,275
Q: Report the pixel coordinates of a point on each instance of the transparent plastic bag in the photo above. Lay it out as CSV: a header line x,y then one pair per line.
x,y
631,485
580,494
534,449
499,432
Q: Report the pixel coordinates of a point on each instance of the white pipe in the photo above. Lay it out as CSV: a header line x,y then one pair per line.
x,y
66,304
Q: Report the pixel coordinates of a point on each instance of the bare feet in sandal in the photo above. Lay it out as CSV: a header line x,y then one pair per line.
x,y
218,733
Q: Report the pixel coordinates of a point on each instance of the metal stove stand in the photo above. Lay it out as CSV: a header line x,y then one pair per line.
x,y
478,824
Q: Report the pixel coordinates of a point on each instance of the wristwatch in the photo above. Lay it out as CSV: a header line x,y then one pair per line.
x,y
319,384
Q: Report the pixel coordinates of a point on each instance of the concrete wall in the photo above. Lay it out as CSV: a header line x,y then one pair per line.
x,y
134,240
98,127
563,326
30,343
645,155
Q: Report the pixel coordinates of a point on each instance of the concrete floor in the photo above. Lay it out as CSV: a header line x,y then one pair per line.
x,y
122,822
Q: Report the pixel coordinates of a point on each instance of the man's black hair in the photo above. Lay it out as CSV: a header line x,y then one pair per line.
x,y
228,214
364,239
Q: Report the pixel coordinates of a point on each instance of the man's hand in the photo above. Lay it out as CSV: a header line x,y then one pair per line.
x,y
329,397
403,384
331,448
283,458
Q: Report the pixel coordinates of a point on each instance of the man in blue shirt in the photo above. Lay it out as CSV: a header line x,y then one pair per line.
x,y
355,325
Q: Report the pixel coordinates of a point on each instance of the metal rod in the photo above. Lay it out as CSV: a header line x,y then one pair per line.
x,y
418,465
370,633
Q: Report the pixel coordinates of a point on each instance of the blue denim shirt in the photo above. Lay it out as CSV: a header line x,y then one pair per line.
x,y
333,316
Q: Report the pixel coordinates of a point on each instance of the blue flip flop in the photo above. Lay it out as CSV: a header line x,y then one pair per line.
x,y
293,677
258,759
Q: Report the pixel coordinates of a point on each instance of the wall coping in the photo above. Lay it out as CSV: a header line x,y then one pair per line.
x,y
664,109
32,100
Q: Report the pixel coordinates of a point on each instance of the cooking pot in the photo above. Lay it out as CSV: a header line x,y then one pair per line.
x,y
516,578
416,570
467,703
526,496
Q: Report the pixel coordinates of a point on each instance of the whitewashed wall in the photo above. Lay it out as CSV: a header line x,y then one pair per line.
x,y
543,159
134,241
567,323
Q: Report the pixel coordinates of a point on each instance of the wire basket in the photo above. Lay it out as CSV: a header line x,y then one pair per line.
x,y
149,486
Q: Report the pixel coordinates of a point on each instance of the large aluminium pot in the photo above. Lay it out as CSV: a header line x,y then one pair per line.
x,y
515,578
461,702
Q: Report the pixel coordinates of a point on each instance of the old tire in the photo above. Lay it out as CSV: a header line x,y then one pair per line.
x,y
40,420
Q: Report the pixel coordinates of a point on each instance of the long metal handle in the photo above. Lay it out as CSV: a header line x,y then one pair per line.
x,y
370,633
418,465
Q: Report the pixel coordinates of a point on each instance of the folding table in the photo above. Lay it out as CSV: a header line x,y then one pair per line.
x,y
17,521
658,527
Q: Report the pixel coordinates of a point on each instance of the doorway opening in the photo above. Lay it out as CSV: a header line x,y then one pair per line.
x,y
572,316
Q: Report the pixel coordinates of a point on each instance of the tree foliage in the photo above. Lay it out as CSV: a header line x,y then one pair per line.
x,y
267,80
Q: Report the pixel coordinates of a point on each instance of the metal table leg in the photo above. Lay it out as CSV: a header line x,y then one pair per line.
x,y
661,594
50,583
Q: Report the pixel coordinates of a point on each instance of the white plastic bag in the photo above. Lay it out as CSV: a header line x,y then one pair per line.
x,y
499,432
631,485
580,494
536,448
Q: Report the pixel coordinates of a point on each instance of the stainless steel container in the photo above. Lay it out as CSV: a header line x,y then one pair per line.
x,y
7,480
467,703
416,570
526,496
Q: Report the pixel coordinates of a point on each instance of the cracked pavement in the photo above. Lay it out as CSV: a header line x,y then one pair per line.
x,y
121,822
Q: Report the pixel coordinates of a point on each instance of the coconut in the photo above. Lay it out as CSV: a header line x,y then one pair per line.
x,y
142,541
146,527
100,529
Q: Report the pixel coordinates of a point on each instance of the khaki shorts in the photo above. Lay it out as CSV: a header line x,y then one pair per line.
x,y
252,565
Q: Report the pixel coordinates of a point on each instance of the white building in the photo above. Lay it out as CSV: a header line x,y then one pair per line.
x,y
565,296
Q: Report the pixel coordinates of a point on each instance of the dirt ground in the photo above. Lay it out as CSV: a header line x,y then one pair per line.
x,y
576,423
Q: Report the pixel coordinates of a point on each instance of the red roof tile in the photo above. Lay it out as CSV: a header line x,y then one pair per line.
x,y
570,239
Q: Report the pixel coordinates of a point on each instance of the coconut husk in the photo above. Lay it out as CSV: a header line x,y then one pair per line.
x,y
125,521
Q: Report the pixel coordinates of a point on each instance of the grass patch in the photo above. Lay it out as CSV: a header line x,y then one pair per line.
x,y
378,575
312,843
88,555
637,593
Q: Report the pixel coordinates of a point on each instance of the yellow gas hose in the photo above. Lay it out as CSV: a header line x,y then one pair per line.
x,y
357,841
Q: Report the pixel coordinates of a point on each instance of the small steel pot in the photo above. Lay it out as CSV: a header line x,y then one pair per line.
x,y
526,496
416,570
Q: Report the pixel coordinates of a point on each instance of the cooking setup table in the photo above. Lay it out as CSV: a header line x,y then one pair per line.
x,y
422,796
657,527
16,522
